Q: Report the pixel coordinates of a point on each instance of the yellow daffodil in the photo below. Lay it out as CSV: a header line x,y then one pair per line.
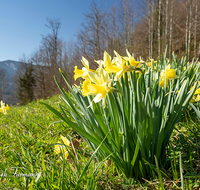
x,y
131,60
192,100
99,85
112,66
4,108
62,148
106,61
171,74
150,62
84,71
118,65
197,91
162,83
168,73
196,96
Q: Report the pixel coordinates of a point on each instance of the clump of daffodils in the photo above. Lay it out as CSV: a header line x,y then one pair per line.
x,y
138,120
99,82
3,108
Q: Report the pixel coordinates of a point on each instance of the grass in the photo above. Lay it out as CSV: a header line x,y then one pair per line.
x,y
27,138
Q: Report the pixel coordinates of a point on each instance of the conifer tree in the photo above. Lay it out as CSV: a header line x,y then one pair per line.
x,y
26,85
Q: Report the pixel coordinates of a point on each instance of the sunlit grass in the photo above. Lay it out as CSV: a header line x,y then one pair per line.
x,y
27,138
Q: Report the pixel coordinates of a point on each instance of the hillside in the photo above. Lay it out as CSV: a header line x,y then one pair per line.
x,y
10,68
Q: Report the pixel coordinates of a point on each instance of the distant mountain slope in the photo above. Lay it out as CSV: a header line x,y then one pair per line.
x,y
11,68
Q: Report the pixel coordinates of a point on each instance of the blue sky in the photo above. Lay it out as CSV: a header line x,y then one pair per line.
x,y
22,22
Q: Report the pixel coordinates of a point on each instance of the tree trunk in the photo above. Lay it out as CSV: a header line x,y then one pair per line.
x,y
186,30
166,24
189,32
152,20
171,28
149,28
159,12
195,29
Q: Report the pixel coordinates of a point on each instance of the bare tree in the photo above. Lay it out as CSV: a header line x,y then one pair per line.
x,y
166,23
152,27
195,29
149,30
50,56
186,27
91,37
114,33
126,18
171,28
190,27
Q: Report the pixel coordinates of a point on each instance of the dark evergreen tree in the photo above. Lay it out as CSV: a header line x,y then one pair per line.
x,y
26,85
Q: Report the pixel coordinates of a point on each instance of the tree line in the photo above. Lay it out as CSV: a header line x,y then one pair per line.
x,y
143,27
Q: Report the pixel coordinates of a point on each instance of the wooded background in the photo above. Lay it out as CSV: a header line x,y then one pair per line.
x,y
143,27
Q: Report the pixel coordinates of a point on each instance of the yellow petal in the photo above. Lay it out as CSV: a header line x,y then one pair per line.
x,y
167,68
7,107
128,53
192,100
132,60
78,73
85,63
65,140
103,75
171,74
107,58
87,88
58,148
94,77
119,59
97,98
162,83
112,69
197,91
197,98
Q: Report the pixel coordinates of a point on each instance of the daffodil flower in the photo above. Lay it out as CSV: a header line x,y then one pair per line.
x,y
62,148
111,66
131,60
197,91
118,65
99,85
169,73
84,71
162,83
196,96
4,108
106,60
150,62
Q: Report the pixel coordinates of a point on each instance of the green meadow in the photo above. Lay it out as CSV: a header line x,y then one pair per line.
x,y
28,135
